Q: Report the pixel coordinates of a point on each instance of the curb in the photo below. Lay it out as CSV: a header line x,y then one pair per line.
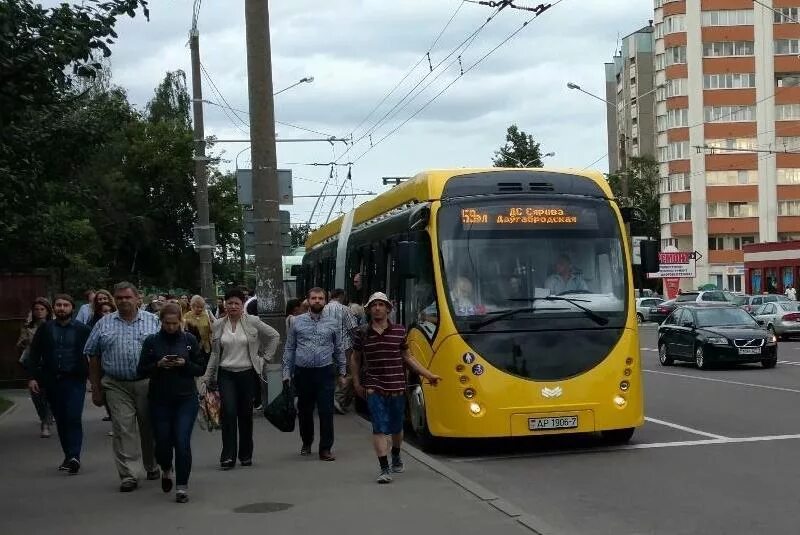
x,y
531,522
9,410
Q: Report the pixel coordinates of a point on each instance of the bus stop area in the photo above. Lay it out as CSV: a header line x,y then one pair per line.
x,y
281,493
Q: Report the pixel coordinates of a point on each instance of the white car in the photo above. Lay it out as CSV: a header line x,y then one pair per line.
x,y
643,306
782,318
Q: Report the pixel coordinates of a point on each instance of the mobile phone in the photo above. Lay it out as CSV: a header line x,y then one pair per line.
x,y
171,357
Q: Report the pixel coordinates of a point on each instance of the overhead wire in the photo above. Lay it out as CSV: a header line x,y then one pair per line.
x,y
513,34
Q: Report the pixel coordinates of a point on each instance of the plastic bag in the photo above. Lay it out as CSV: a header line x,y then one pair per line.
x,y
281,412
210,405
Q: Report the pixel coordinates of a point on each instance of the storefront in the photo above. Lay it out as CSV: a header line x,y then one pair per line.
x,y
729,278
771,267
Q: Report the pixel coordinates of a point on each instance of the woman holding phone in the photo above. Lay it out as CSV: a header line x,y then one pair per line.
x,y
171,359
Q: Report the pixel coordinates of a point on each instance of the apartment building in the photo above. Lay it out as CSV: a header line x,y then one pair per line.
x,y
629,85
730,101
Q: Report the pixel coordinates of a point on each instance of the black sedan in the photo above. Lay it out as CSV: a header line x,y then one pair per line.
x,y
707,334
660,312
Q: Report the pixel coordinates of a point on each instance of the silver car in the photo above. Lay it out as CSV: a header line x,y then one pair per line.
x,y
780,317
643,306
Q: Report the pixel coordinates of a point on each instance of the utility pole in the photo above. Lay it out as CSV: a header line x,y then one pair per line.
x,y
204,232
266,218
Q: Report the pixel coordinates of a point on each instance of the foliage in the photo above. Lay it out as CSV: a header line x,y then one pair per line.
x,y
299,234
520,150
643,178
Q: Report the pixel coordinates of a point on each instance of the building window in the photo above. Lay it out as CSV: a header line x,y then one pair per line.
x,y
676,182
787,14
731,178
660,61
788,236
659,30
732,145
729,81
789,208
676,55
787,79
788,176
677,150
787,143
731,114
679,87
727,48
677,118
661,123
716,243
787,112
674,24
787,46
728,17
732,209
680,212
729,243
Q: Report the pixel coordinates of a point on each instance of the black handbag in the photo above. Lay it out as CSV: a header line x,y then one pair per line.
x,y
280,412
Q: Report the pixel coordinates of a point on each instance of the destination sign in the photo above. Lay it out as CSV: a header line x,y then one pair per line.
x,y
518,216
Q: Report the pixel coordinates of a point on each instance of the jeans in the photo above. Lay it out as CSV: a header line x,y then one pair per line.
x,y
41,406
173,421
66,396
315,388
236,390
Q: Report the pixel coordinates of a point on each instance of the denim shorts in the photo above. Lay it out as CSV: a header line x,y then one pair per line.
x,y
386,413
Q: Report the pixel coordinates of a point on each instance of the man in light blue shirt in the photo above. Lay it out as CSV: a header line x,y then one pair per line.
x,y
564,280
86,311
313,354
114,348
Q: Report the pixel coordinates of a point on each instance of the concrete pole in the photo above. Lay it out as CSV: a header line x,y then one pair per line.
x,y
205,248
269,269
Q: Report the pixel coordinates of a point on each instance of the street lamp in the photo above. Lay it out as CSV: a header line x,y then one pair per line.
x,y
526,164
305,80
572,85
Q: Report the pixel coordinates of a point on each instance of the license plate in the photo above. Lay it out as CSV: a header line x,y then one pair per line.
x,y
552,422
750,351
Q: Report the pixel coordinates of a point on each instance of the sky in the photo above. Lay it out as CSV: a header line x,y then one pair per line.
x,y
358,50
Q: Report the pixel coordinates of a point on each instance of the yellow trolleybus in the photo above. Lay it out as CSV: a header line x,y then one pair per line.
x,y
517,289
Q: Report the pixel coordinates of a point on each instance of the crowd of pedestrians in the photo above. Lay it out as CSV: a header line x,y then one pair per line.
x,y
148,360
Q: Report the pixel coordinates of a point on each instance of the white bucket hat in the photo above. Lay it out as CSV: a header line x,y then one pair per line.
x,y
379,296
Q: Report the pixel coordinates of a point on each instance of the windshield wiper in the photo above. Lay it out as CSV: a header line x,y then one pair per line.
x,y
597,318
500,315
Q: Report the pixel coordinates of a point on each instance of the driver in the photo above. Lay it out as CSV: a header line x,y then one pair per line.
x,y
462,295
564,280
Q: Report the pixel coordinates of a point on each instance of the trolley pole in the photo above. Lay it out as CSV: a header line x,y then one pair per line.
x,y
204,233
269,269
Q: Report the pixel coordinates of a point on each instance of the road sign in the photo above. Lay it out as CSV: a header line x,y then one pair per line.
x,y
677,264
250,233
636,241
244,186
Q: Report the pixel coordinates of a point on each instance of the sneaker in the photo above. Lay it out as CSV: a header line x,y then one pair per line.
x,y
384,477
110,434
64,466
326,456
129,485
181,496
246,462
106,418
338,407
397,465
227,465
258,408
73,466
45,431
155,474
166,482
305,450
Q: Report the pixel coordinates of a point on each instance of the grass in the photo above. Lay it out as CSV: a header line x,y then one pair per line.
x,y
4,404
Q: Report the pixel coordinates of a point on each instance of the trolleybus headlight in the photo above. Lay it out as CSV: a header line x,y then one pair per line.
x,y
619,401
624,385
474,408
469,393
627,372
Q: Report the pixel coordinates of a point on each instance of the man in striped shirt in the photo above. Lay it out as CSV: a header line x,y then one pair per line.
x,y
380,349
114,348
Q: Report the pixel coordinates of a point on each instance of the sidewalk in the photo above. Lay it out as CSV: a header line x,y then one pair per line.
x,y
330,498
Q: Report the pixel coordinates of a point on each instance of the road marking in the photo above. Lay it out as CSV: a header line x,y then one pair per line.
x,y
766,387
789,362
648,349
683,428
646,446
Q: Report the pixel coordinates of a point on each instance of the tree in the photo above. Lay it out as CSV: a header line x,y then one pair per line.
x,y
520,150
299,234
642,174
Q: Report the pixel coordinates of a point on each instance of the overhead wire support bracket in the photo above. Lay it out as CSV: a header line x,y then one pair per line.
x,y
430,65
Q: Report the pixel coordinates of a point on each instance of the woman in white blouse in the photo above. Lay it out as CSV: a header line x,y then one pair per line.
x,y
240,346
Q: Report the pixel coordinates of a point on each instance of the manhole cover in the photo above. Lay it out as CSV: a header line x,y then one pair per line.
x,y
263,507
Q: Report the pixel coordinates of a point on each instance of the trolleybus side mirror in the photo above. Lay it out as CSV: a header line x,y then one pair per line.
x,y
407,259
648,250
296,270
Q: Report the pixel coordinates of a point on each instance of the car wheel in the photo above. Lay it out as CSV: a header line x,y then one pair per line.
x,y
639,318
771,329
618,436
663,358
769,363
419,421
700,358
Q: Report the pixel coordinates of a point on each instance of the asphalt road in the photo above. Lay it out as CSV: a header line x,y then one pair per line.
x,y
719,454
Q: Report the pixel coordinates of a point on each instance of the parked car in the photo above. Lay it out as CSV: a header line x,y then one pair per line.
x,y
756,301
701,296
660,312
781,318
711,333
736,298
643,307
